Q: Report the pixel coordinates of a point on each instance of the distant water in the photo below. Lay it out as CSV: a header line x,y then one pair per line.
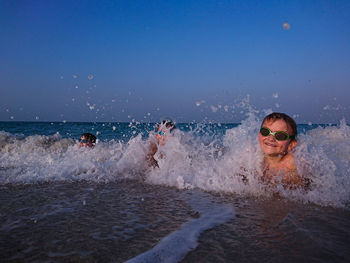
x,y
62,203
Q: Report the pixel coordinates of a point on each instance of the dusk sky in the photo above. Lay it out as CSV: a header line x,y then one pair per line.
x,y
188,60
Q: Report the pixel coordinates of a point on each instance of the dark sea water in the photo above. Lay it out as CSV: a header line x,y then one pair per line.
x,y
62,203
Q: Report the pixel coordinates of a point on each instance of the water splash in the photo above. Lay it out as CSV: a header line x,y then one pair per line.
x,y
205,156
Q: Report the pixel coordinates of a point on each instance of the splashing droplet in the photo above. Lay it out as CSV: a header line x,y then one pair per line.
x,y
213,108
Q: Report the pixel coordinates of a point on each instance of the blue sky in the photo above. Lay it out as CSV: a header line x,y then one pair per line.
x,y
188,60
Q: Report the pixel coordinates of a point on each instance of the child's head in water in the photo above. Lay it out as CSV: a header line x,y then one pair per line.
x,y
165,127
162,131
277,134
87,140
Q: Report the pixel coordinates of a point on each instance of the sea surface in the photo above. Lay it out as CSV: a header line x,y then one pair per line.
x,y
63,203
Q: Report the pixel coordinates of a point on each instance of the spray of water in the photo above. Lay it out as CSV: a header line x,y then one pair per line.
x,y
197,158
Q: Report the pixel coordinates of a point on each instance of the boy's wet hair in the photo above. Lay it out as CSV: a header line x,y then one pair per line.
x,y
282,116
90,137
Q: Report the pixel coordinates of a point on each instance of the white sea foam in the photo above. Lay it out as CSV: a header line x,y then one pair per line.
x,y
324,155
175,246
194,159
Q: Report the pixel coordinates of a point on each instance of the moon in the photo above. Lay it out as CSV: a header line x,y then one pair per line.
x,y
286,26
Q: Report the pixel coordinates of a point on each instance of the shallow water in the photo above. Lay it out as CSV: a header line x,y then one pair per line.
x,y
114,222
104,222
62,203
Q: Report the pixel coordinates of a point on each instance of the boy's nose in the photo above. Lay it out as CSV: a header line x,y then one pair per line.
x,y
271,138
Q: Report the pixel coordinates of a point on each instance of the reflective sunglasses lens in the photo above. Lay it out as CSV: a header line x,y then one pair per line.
x,y
280,136
264,132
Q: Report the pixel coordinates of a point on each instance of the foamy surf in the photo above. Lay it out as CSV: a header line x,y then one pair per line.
x,y
174,247
209,157
63,203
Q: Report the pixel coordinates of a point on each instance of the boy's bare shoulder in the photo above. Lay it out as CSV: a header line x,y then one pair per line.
x,y
288,163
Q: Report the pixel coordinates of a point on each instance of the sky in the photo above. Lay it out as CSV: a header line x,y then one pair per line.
x,y
186,60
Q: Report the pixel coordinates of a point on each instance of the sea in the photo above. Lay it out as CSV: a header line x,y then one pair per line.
x,y
204,201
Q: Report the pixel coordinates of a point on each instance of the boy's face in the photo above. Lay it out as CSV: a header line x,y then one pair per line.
x,y
84,141
272,147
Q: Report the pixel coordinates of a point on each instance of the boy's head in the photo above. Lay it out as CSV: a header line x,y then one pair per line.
x,y
277,134
282,116
164,127
87,139
167,124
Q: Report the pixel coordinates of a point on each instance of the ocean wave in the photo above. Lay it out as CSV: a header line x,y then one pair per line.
x,y
228,164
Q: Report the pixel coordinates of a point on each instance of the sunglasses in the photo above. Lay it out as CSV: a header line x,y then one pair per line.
x,y
279,135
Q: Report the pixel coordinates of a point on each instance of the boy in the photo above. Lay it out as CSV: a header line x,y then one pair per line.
x,y
277,139
87,140
163,130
